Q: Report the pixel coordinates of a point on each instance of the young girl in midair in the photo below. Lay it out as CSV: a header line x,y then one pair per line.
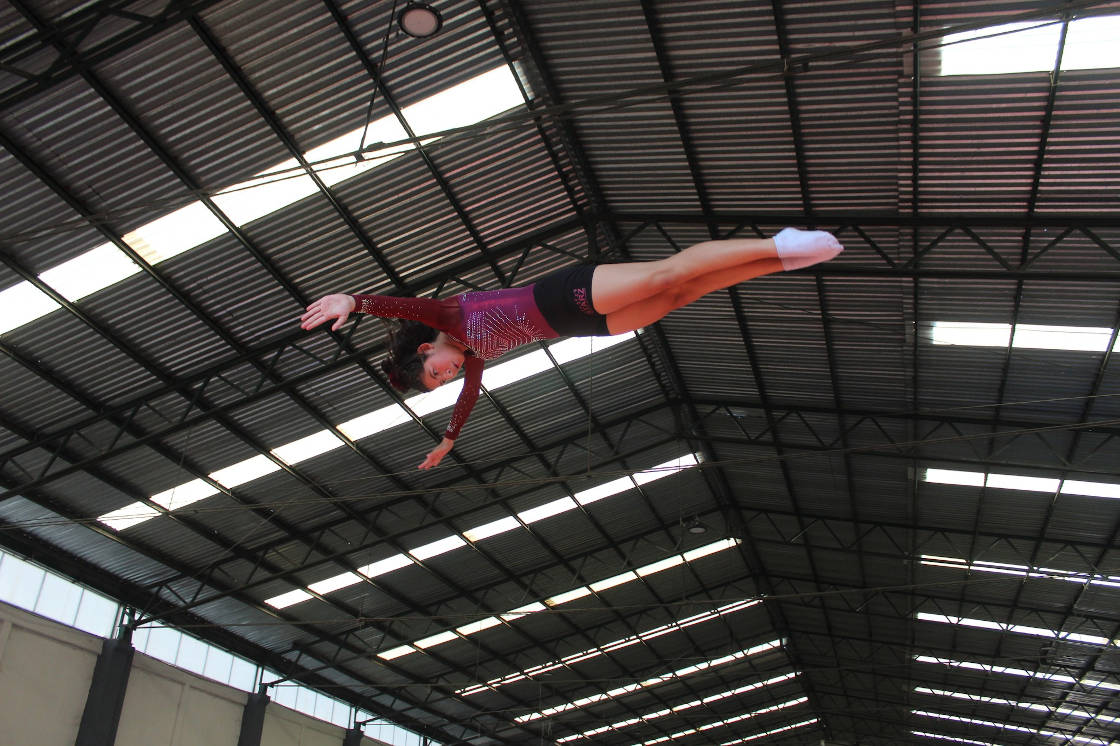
x,y
438,338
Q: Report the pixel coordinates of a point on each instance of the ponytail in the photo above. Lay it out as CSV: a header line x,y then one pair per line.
x,y
404,366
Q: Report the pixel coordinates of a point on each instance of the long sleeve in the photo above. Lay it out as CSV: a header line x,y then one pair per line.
x,y
443,315
472,382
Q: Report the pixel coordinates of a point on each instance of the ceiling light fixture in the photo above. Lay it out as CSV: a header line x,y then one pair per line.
x,y
420,20
696,526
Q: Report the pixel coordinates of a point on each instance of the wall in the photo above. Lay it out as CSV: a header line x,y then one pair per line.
x,y
45,673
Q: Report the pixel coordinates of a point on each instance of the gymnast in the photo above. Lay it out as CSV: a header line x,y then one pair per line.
x,y
439,337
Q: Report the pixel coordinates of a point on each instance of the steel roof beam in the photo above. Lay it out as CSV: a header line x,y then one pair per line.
x,y
71,29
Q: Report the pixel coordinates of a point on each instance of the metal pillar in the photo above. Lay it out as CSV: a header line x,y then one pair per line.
x,y
105,700
252,718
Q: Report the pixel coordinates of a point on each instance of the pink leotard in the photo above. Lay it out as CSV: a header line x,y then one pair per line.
x,y
488,323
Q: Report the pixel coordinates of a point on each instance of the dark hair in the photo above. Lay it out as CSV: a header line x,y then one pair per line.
x,y
405,366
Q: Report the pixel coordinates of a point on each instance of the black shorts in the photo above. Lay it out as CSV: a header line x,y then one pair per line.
x,y
564,299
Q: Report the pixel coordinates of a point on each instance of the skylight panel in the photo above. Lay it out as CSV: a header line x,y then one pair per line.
x,y
1031,47
183,494
273,189
532,608
90,272
1003,568
1021,629
647,717
952,739
313,445
1027,336
624,642
22,303
129,515
1047,710
387,565
1008,48
318,443
726,721
772,732
437,547
290,598
1022,673
345,580
245,471
950,476
493,528
1005,726
547,510
1027,484
680,673
1091,43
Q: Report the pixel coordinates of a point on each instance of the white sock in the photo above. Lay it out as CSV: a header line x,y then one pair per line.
x,y
798,248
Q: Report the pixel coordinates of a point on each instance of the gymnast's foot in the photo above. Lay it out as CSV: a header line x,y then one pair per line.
x,y
798,248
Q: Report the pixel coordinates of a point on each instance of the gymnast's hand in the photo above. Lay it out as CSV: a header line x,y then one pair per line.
x,y
437,453
326,308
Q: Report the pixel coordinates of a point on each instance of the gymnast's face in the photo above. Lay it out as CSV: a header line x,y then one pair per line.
x,y
441,363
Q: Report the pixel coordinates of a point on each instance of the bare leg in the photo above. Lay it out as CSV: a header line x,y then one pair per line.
x,y
651,309
616,286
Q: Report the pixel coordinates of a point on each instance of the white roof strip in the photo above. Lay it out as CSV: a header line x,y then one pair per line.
x,y
1020,629
1106,490
680,673
595,652
486,530
1048,710
1004,568
1020,672
726,721
650,716
321,442
1032,47
480,98
512,615
1072,738
952,739
1026,336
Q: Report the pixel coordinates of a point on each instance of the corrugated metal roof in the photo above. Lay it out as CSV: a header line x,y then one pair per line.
x,y
814,400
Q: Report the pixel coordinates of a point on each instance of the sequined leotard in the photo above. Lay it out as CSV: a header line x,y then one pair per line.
x,y
488,323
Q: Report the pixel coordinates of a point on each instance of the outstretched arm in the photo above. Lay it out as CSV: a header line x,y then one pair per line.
x,y
438,314
467,398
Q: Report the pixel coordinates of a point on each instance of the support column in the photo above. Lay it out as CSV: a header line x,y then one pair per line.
x,y
353,737
252,718
105,700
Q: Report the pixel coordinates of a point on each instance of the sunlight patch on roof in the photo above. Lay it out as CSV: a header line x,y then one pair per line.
x,y
653,681
1020,629
271,190
595,652
659,713
1029,47
519,612
1027,336
1009,726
